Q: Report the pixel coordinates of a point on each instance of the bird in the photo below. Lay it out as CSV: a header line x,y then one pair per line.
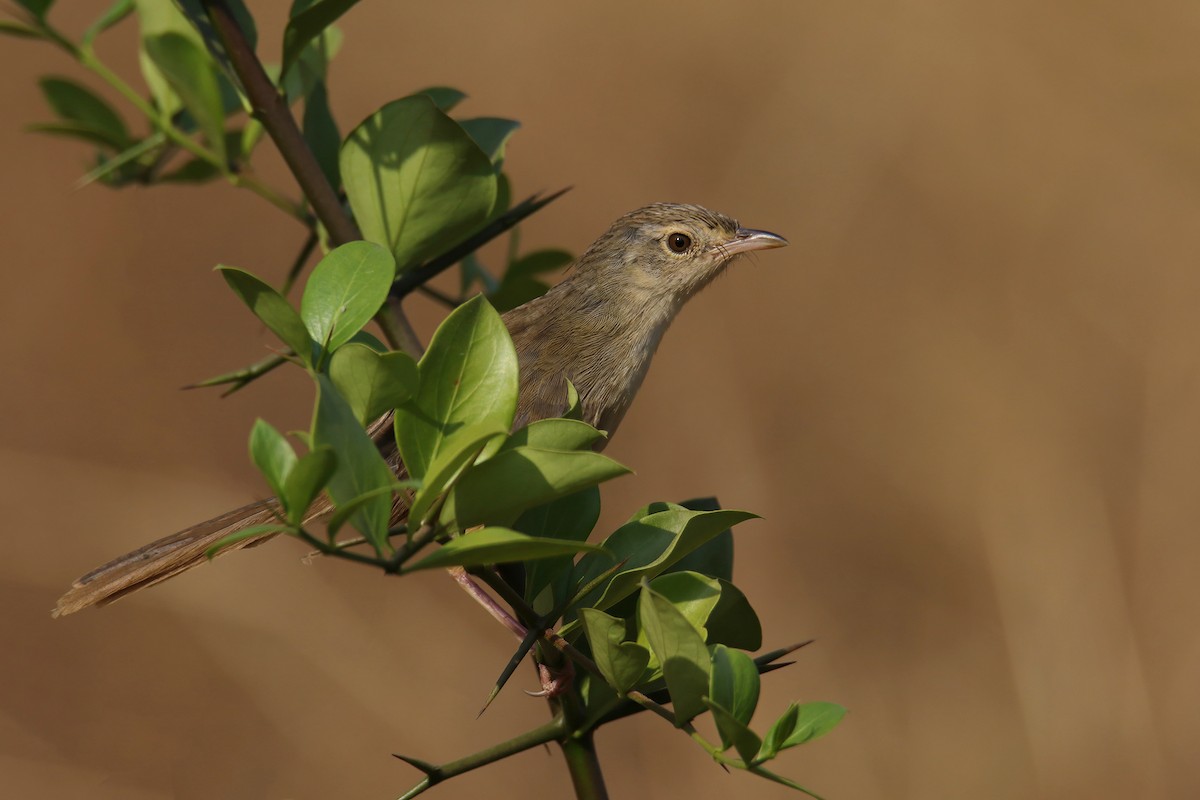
x,y
597,328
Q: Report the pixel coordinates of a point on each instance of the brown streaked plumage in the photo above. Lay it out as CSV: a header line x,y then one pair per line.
x,y
598,328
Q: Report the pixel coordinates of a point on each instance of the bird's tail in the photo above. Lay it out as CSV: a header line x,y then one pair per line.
x,y
165,558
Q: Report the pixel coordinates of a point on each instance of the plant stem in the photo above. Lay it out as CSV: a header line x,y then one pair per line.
x,y
588,780
554,729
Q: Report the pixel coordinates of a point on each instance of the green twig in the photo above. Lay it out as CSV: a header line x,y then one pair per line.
x,y
584,767
552,730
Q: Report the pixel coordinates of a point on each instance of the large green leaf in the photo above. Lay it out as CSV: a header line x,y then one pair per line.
x,y
371,382
416,181
449,464
344,291
468,376
734,684
360,468
622,663
192,75
308,21
491,134
680,651
571,517
495,546
554,434
78,104
270,307
649,546
499,489
733,622
693,595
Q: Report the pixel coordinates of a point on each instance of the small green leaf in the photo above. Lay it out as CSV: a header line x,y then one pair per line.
x,y
38,8
734,733
242,535
344,291
305,481
491,134
270,307
192,76
734,685
372,383
308,21
444,97
495,546
272,454
574,407
78,104
468,375
622,663
118,11
18,30
349,508
194,170
450,462
360,467
416,180
512,481
680,650
814,720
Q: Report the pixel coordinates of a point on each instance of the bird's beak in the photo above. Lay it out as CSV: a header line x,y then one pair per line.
x,y
747,239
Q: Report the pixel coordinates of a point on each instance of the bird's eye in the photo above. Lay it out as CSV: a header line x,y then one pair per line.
x,y
679,242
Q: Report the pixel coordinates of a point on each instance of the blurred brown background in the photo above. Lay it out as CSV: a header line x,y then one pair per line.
x,y
966,401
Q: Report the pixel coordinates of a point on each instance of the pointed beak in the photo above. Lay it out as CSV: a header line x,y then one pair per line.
x,y
747,239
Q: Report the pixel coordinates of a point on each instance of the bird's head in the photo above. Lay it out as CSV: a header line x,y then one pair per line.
x,y
667,252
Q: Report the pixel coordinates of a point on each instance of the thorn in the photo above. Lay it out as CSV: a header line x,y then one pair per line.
x,y
424,766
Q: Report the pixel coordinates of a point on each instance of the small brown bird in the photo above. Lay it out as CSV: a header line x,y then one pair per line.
x,y
598,328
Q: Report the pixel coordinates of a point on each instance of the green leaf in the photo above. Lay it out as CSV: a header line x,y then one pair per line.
x,y
243,534
349,508
270,307
18,30
444,97
519,284
450,462
37,8
360,467
71,130
115,13
554,434
344,291
733,622
513,481
305,481
814,720
650,545
693,595
321,132
622,663
801,723
195,170
574,407
192,76
372,383
491,134
495,546
416,180
734,733
680,650
308,21
78,104
734,685
272,454
713,558
572,518
468,375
